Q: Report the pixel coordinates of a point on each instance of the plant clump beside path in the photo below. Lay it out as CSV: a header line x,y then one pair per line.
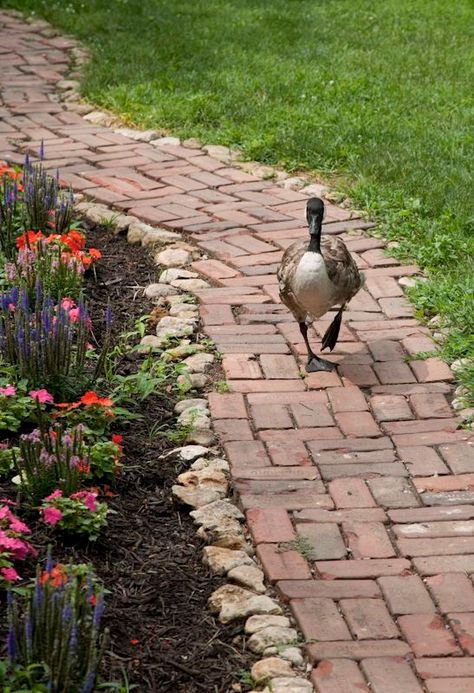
x,y
374,97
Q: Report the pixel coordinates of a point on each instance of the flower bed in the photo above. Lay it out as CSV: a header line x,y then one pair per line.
x,y
83,417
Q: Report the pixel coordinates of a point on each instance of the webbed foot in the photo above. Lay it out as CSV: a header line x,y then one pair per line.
x,y
316,364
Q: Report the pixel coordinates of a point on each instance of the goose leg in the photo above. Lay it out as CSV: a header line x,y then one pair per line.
x,y
332,333
314,363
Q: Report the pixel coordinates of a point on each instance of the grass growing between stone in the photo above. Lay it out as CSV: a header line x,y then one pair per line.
x,y
376,97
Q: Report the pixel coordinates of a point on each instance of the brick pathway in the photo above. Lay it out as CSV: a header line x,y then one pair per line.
x,y
357,485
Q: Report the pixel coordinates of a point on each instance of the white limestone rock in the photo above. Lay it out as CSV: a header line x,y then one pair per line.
x,y
190,403
173,257
190,284
233,602
220,560
248,576
198,363
195,497
271,667
259,622
270,637
157,291
174,273
192,452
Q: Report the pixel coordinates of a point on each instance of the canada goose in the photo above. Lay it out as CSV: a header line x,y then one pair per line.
x,y
315,277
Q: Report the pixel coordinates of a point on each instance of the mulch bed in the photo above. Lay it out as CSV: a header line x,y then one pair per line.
x,y
149,557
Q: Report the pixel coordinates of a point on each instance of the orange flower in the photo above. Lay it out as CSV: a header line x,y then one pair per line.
x,y
91,397
29,239
83,467
56,577
95,254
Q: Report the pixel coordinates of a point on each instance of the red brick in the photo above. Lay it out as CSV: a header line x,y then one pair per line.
x,y
445,483
321,380
431,565
386,350
214,269
357,650
281,564
216,314
241,366
430,438
436,547
460,457
270,525
289,453
375,567
319,619
277,366
324,539
414,345
278,473
307,415
390,675
364,471
289,501
431,406
246,454
463,626
149,214
350,493
271,415
363,301
454,667
420,426
450,685
233,429
368,540
303,398
402,271
267,385
430,370
311,434
422,461
397,307
452,591
227,406
331,589
382,287
390,408
360,424
338,676
406,595
392,492
339,516
456,528
427,635
393,372
368,619
454,512
361,375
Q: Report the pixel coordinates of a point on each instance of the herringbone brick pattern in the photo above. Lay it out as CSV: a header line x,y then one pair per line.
x,y
357,485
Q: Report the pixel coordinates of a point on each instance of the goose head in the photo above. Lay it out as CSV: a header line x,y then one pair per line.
x,y
314,216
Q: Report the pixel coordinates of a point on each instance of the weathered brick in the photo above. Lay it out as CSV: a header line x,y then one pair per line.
x,y
241,366
357,649
319,619
463,625
427,635
406,594
216,314
271,416
246,454
386,350
331,589
390,408
356,515
338,676
350,493
363,376
431,565
227,406
393,492
436,547
251,386
289,453
270,525
422,461
368,540
382,286
448,685
322,379
433,667
282,564
346,399
431,370
233,429
307,415
362,568
435,529
393,372
430,405
358,423
459,482
452,592
368,619
278,366
324,539
294,500
459,456
390,675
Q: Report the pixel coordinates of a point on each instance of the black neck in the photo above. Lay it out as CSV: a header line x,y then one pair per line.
x,y
315,236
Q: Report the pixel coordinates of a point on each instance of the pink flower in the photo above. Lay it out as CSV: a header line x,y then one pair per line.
x,y
67,303
17,525
8,391
9,574
42,396
74,315
88,498
18,548
55,494
51,516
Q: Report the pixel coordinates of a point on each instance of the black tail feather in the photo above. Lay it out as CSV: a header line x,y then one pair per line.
x,y
332,333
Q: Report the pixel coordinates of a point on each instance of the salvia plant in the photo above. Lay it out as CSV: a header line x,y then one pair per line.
x,y
59,625
45,341
50,459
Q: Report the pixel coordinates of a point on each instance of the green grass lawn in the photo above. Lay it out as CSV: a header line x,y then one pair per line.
x,y
375,96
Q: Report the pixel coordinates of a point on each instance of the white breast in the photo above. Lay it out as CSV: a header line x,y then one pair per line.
x,y
312,287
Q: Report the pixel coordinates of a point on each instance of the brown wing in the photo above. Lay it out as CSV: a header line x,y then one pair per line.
x,y
341,268
285,274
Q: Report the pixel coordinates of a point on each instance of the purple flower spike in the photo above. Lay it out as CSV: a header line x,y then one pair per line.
x,y
41,150
11,644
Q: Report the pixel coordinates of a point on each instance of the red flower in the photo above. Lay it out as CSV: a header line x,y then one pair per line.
x,y
56,577
117,439
91,397
134,641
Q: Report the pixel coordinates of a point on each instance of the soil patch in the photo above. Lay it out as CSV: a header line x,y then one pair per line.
x,y
149,558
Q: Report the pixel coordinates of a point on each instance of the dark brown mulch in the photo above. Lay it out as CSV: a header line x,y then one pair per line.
x,y
149,558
